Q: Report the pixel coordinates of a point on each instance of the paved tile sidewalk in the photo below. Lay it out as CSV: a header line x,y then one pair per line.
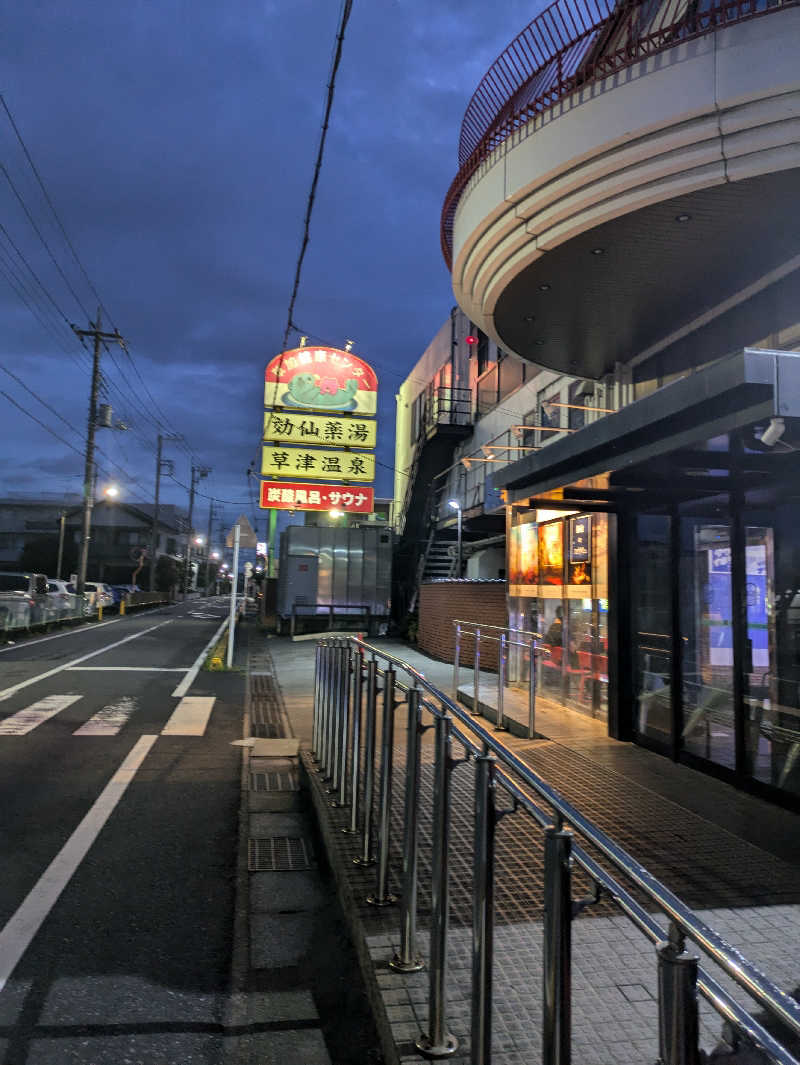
x,y
722,851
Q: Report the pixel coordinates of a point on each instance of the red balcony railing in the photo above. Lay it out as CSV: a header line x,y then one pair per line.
x,y
570,45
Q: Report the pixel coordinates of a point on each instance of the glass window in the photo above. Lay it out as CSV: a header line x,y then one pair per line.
x,y
549,416
707,728
652,628
577,404
482,352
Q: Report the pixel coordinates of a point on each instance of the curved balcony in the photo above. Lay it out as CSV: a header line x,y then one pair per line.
x,y
627,172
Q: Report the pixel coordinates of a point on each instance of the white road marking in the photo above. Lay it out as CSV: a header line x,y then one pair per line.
x,y
190,716
109,720
8,692
18,934
26,720
126,669
188,680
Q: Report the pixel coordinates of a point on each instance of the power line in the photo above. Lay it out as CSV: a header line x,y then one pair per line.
x,y
345,15
51,205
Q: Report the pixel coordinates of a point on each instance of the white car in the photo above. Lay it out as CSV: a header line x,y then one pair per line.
x,y
62,602
97,594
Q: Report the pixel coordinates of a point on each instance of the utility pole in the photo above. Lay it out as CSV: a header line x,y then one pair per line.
x,y
62,521
161,464
208,542
88,476
198,472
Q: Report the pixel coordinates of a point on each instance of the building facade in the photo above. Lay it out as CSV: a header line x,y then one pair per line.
x,y
624,219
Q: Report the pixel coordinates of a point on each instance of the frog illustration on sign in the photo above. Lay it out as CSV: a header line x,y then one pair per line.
x,y
312,390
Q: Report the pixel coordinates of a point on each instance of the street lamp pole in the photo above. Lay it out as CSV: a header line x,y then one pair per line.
x,y
456,505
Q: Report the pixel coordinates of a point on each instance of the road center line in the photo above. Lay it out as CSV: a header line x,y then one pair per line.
x,y
8,692
18,934
188,680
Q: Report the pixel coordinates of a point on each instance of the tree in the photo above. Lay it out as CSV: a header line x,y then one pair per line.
x,y
41,556
166,573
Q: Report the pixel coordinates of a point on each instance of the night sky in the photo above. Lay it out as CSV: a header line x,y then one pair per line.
x,y
177,142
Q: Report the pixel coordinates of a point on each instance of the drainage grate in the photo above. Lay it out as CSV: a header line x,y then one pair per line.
x,y
277,854
286,781
266,721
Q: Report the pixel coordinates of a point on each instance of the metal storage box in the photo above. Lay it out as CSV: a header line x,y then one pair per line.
x,y
330,574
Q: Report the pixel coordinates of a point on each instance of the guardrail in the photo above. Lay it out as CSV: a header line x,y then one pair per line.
x,y
505,640
570,45
350,674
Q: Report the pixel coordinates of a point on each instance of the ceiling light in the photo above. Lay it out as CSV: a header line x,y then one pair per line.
x,y
544,287
683,218
539,343
598,251
529,318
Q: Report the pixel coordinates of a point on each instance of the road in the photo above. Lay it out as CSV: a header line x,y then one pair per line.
x,y
119,795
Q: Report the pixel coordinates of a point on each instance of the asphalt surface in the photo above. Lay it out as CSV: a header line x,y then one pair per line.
x,y
117,843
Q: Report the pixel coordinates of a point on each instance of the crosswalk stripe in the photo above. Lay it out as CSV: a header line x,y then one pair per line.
x,y
109,720
26,720
190,716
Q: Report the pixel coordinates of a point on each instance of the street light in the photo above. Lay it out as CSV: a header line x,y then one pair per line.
x,y
111,491
454,503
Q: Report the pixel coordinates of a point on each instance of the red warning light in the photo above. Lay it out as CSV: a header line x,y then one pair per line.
x,y
472,340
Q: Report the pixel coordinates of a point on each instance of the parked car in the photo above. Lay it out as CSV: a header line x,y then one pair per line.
x,y
63,602
23,600
120,590
97,594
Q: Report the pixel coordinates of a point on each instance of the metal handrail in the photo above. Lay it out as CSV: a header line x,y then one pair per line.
x,y
570,45
679,973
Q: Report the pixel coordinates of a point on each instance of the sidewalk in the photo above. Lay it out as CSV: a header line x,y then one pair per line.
x,y
734,858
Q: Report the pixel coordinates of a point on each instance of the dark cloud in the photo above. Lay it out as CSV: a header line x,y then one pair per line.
x,y
177,140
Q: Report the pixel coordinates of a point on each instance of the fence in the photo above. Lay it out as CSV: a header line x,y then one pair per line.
x,y
350,675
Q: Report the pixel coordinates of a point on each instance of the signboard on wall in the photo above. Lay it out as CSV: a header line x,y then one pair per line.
x,y
321,379
288,495
317,462
551,552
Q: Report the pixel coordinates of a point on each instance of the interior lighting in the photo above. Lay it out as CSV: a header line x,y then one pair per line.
x,y
539,342
544,287
683,218
598,251
529,318
334,513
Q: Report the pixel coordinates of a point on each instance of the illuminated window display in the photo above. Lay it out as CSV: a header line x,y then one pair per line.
x,y
558,586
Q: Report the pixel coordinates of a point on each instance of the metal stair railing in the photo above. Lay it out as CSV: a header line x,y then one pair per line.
x,y
346,691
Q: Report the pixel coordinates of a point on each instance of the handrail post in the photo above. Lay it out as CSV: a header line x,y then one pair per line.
x,y
532,693
456,656
678,1033
476,674
330,683
407,959
438,1042
357,689
500,726
557,948
318,688
333,724
344,726
483,910
382,897
366,856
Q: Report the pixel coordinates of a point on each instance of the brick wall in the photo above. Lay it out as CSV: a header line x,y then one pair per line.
x,y
441,602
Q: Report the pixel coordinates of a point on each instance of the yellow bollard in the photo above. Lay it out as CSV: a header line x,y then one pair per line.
x,y
99,611
122,606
